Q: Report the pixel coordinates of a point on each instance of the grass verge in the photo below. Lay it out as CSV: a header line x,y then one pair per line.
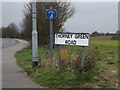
x,y
106,62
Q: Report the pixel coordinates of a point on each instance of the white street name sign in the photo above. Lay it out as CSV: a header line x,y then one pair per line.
x,y
75,39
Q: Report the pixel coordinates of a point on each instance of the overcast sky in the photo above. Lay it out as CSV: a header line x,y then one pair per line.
x,y
89,16
12,12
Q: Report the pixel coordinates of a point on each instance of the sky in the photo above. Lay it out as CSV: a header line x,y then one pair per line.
x,y
89,16
94,16
0,14
12,12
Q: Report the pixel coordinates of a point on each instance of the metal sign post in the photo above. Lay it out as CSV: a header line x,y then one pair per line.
x,y
34,37
51,41
83,55
51,15
59,60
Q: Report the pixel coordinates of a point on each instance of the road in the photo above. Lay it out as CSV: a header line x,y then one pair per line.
x,y
12,74
6,42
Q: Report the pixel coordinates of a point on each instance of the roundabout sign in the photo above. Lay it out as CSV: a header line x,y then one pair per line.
x,y
51,14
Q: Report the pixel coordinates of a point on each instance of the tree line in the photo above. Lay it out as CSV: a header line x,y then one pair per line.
x,y
11,31
115,36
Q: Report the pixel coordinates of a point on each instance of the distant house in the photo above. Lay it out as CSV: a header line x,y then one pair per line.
x,y
95,33
102,34
110,34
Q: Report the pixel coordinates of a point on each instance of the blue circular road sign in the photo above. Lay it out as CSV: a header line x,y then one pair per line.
x,y
51,14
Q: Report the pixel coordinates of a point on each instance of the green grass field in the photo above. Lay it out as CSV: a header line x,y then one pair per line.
x,y
105,42
103,75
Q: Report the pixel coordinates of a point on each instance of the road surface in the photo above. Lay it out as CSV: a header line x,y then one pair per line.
x,y
6,42
12,75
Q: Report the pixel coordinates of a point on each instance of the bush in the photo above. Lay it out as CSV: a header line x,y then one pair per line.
x,y
116,37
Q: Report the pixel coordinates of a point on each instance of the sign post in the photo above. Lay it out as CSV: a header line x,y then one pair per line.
x,y
51,15
51,40
59,59
83,55
34,37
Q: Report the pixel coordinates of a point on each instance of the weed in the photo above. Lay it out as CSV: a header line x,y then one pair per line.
x,y
111,62
110,52
103,84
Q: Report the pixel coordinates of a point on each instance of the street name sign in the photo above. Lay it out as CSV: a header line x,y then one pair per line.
x,y
51,14
75,39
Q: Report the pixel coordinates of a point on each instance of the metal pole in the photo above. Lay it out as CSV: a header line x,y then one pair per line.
x,y
83,55
51,41
34,37
59,60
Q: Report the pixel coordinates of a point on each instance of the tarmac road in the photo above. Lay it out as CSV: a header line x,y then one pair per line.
x,y
4,42
12,74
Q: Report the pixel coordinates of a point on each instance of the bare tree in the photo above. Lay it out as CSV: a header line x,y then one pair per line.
x,y
64,12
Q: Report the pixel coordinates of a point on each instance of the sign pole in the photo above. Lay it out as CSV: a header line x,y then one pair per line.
x,y
51,15
34,37
59,60
83,55
51,41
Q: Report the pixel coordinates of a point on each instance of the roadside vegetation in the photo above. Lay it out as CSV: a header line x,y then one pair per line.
x,y
100,69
